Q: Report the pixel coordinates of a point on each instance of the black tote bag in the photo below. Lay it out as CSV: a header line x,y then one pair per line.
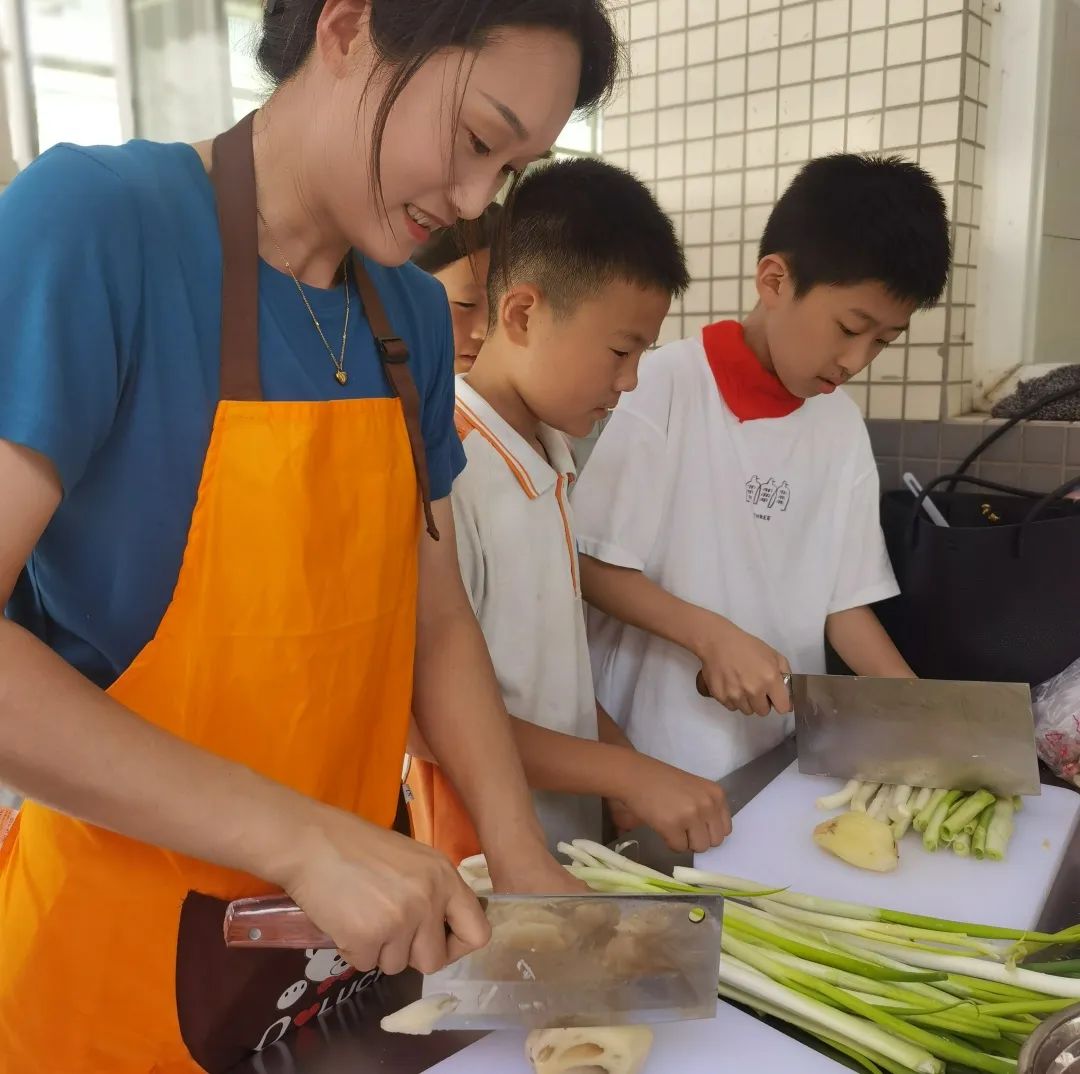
x,y
996,594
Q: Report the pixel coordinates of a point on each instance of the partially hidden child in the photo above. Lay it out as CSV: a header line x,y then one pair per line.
x,y
728,516
579,286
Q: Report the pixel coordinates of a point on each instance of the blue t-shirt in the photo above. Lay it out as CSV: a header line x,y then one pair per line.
x,y
110,313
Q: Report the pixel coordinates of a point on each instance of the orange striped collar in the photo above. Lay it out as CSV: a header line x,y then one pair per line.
x,y
534,474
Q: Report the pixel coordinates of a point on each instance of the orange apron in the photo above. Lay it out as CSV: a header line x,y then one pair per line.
x,y
288,647
437,813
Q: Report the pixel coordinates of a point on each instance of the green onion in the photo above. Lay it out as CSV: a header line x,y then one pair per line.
x,y
968,810
841,798
821,954
868,1058
961,844
858,912
922,796
922,818
862,797
932,835
879,804
978,840
900,806
1066,967
878,929
1046,983
999,831
896,993
900,827
860,1030
932,1042
1026,1006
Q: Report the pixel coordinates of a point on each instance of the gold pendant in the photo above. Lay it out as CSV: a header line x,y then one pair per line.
x,y
341,377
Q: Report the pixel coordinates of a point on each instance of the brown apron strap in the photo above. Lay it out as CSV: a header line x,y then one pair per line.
x,y
394,355
233,176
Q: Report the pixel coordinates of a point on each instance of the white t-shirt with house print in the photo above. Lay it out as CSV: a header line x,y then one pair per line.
x,y
772,523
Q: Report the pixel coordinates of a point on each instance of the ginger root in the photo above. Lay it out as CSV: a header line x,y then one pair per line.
x,y
860,840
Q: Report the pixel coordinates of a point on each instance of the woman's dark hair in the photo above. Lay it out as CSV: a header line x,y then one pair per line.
x,y
453,243
407,33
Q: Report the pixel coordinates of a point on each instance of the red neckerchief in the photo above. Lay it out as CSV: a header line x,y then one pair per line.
x,y
747,387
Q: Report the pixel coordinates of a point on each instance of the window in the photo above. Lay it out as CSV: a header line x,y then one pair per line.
x,y
73,71
580,137
248,86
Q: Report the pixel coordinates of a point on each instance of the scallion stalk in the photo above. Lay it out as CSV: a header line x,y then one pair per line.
x,y
965,811
999,830
897,993
978,840
841,798
879,804
1045,983
860,1030
932,834
861,798
961,844
922,818
900,806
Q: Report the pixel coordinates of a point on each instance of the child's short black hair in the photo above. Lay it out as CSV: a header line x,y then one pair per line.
x,y
463,239
575,226
850,218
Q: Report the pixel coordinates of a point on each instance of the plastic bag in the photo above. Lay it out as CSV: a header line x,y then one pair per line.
x,y
1057,722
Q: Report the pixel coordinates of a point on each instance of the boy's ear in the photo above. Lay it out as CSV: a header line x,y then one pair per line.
x,y
517,309
773,279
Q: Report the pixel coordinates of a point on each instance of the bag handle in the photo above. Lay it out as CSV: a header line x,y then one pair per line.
x,y
998,433
1043,501
1058,494
955,479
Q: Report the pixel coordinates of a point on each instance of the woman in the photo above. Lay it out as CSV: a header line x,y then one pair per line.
x,y
217,467
459,258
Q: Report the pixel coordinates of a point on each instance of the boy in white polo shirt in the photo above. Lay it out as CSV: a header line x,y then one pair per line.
x,y
728,515
578,289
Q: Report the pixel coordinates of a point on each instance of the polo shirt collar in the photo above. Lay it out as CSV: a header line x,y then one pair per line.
x,y
533,473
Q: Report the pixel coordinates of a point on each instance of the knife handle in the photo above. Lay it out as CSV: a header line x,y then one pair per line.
x,y
272,921
703,689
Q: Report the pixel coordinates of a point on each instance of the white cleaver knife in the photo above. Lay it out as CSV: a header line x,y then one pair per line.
x,y
553,961
920,732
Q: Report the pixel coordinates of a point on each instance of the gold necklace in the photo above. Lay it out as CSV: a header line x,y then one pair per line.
x,y
339,361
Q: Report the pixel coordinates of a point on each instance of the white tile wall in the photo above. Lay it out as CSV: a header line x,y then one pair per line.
x,y
728,98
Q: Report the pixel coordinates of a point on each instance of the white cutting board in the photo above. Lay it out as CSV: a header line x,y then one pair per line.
x,y
772,843
731,1043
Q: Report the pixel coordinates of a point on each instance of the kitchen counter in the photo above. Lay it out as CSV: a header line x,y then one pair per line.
x,y
349,1041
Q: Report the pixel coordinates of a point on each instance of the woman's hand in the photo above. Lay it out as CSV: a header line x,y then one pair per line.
x,y
386,900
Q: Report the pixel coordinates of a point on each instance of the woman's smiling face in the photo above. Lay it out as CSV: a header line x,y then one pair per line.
x,y
463,123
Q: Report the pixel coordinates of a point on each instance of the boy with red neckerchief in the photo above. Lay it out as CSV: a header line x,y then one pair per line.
x,y
728,516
